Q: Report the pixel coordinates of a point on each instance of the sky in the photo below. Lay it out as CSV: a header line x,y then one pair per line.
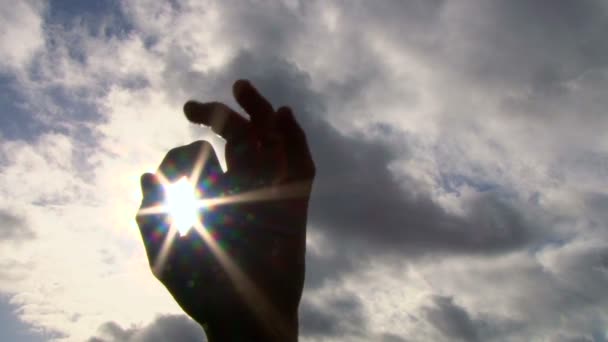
x,y
461,152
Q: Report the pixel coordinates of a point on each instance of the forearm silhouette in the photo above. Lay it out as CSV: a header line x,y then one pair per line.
x,y
241,275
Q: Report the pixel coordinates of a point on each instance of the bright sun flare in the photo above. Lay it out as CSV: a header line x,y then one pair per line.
x,y
181,204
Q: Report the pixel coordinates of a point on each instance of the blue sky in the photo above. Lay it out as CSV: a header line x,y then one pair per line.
x,y
15,330
461,151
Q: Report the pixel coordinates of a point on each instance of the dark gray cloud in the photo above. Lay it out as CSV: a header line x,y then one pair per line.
x,y
452,320
325,266
13,227
392,338
356,198
455,323
533,43
564,338
164,328
340,316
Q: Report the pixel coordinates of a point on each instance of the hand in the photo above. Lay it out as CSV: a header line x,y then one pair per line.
x,y
241,275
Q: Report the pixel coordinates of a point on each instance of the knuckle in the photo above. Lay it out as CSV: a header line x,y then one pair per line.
x,y
156,273
199,144
313,170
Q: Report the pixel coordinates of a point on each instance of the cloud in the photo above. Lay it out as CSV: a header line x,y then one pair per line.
x,y
564,338
13,227
163,328
453,321
512,297
338,317
20,34
357,198
520,43
392,338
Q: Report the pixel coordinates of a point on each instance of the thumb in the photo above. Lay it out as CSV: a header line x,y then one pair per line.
x,y
151,189
151,222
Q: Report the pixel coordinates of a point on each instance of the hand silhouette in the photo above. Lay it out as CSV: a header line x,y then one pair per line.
x,y
240,273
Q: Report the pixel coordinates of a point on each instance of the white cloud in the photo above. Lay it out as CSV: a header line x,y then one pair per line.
x,y
21,33
163,328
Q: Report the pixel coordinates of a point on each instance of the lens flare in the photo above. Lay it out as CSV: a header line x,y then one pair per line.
x,y
181,203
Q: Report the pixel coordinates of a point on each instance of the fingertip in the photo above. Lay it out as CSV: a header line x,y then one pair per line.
x,y
297,146
284,109
148,181
240,86
284,113
286,119
190,108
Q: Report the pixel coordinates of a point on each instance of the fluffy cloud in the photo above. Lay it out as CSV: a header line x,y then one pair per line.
x,y
13,227
20,33
163,328
452,321
460,151
339,317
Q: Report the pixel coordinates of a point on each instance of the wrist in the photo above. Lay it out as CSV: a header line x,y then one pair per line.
x,y
239,329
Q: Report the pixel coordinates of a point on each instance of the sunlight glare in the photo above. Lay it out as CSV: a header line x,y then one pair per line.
x,y
181,204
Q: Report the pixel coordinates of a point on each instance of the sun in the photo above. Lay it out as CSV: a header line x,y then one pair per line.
x,y
181,203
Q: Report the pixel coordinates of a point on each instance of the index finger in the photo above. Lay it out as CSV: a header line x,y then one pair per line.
x,y
221,118
257,106
299,158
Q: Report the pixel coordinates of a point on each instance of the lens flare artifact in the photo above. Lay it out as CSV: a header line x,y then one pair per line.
x,y
181,202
